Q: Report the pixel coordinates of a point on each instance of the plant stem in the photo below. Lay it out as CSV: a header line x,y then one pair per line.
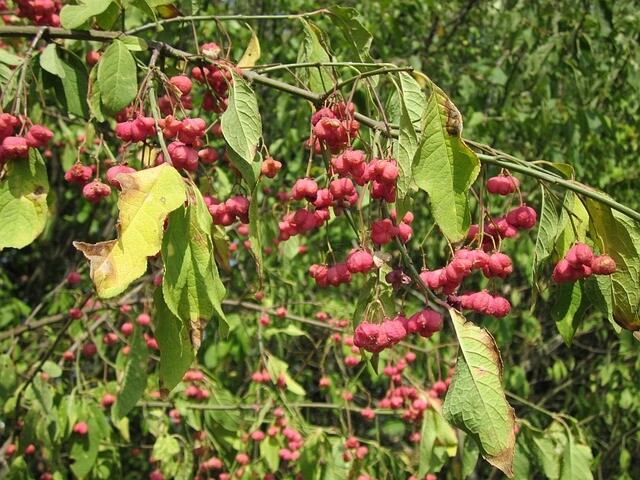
x,y
222,18
568,184
497,158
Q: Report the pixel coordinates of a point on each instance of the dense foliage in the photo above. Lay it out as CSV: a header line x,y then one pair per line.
x,y
242,246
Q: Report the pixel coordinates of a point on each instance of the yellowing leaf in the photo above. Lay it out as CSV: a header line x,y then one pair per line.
x,y
475,401
146,199
252,53
23,201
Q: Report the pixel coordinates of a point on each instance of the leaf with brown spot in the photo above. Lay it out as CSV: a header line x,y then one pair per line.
x,y
146,199
475,401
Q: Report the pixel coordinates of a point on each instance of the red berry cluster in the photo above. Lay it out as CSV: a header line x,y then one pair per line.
x,y
225,213
580,262
376,337
217,78
17,146
520,218
40,12
334,127
353,449
483,302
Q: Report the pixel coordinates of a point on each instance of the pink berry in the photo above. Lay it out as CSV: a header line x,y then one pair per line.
x,y
603,265
81,428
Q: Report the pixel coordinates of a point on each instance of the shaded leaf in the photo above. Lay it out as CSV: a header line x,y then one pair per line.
x,y
568,309
438,442
313,51
135,377
73,87
346,18
174,340
191,285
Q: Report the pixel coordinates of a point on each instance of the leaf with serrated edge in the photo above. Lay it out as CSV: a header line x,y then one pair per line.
x,y
241,125
23,201
147,197
444,166
475,401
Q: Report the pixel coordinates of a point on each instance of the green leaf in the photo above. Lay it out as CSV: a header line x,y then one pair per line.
x,y
568,309
174,340
277,367
619,237
8,379
346,18
547,233
545,453
270,452
242,127
313,51
191,287
407,148
438,442
135,44
575,461
165,448
72,88
146,7
74,16
475,401
9,58
444,166
107,19
117,77
414,98
84,450
23,201
95,101
599,290
147,197
135,377
50,61
255,234
521,461
470,454
291,330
